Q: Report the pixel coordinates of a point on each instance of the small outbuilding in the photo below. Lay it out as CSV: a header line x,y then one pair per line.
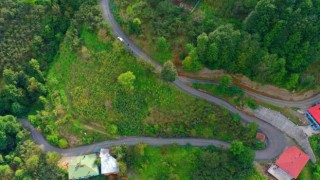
x,y
109,164
289,164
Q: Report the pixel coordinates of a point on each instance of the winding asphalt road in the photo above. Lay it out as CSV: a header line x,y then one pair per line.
x,y
304,104
39,139
261,155
276,141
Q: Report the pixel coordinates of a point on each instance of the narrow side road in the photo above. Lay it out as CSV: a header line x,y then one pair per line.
x,y
132,140
44,145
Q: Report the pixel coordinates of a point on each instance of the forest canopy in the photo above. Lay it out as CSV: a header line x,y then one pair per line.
x,y
32,29
21,158
273,42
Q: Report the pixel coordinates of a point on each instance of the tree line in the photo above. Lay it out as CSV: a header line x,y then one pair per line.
x,y
272,46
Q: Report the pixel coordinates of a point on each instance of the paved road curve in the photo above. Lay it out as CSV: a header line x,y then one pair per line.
x,y
304,104
44,145
39,139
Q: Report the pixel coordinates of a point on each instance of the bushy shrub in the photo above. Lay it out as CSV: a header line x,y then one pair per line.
x,y
63,143
251,103
53,139
126,80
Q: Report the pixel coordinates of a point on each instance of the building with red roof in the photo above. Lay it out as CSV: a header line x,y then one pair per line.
x,y
313,115
289,164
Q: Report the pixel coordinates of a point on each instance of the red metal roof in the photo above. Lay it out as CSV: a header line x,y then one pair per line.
x,y
315,112
292,161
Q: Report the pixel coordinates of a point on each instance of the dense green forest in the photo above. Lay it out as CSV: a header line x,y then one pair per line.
x,y
21,88
30,35
21,158
32,29
274,42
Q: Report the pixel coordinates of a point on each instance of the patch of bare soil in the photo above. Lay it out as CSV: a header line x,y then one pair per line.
x,y
246,110
72,140
205,73
113,177
65,161
108,104
182,4
155,116
262,169
270,90
303,120
103,35
85,54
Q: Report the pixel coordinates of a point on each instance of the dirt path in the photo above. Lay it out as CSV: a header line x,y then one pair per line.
x,y
90,128
258,88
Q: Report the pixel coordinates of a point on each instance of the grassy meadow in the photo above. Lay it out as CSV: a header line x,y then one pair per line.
x,y
87,104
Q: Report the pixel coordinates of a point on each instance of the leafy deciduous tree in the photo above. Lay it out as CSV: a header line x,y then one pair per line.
x,y
169,71
126,80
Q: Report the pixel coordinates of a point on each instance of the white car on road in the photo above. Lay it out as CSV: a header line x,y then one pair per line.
x,y
120,38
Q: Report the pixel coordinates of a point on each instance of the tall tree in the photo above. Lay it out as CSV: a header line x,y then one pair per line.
x,y
226,38
192,62
202,43
259,20
163,49
169,71
212,56
135,26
